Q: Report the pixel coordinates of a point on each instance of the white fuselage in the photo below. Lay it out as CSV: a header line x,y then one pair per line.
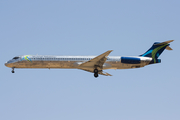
x,y
93,64
71,62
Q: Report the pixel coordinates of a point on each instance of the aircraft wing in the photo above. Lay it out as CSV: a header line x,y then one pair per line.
x,y
97,61
100,72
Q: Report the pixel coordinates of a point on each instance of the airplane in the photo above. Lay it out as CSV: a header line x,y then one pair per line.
x,y
93,64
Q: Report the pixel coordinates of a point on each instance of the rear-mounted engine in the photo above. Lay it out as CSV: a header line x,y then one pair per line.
x,y
130,60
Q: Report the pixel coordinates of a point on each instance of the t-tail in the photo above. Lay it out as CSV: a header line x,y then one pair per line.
x,y
155,51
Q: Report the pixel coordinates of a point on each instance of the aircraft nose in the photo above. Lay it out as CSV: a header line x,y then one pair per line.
x,y
6,64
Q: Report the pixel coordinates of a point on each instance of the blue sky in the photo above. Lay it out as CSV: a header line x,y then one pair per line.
x,y
85,27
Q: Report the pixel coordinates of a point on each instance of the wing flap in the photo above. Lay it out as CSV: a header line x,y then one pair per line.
x,y
100,72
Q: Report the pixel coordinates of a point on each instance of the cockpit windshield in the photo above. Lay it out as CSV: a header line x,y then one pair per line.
x,y
16,58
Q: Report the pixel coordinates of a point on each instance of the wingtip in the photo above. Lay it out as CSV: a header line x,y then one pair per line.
x,y
109,51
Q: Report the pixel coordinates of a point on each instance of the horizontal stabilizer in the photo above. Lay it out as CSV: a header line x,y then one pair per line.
x,y
168,48
166,42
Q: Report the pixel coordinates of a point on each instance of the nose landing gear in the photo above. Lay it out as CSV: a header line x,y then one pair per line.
x,y
12,70
95,73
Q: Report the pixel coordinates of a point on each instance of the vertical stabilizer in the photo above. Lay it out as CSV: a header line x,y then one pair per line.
x,y
156,50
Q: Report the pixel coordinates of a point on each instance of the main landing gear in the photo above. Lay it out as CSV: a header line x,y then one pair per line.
x,y
12,70
95,73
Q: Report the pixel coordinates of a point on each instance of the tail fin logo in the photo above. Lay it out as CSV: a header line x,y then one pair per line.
x,y
157,48
148,52
155,53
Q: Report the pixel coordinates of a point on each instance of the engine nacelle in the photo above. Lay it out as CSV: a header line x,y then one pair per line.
x,y
130,60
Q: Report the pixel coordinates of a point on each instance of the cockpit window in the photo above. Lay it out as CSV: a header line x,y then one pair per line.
x,y
16,58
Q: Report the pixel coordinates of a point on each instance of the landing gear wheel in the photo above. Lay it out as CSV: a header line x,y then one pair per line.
x,y
95,70
95,75
12,70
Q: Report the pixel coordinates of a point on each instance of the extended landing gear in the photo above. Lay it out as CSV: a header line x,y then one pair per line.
x,y
95,73
12,70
